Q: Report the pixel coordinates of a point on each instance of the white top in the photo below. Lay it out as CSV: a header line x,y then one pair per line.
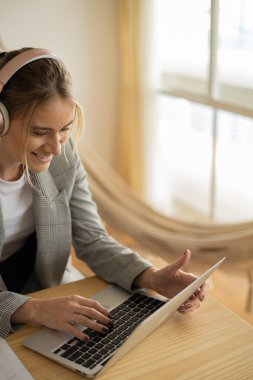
x,y
16,200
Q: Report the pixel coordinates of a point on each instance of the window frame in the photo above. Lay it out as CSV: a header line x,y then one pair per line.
x,y
206,92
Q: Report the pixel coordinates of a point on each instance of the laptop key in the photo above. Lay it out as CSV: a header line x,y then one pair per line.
x,y
88,363
79,361
69,352
75,356
92,351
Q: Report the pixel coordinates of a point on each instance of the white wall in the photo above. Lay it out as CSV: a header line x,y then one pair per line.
x,y
84,33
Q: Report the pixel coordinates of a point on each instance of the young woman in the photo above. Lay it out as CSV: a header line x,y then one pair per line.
x,y
46,206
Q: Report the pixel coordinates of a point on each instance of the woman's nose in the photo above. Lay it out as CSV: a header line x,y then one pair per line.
x,y
55,145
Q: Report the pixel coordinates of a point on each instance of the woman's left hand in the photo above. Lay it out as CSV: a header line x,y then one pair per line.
x,y
170,280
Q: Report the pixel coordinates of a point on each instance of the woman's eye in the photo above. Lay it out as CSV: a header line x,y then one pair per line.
x,y
37,133
65,129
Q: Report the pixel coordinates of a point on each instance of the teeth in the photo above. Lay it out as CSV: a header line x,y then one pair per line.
x,y
43,156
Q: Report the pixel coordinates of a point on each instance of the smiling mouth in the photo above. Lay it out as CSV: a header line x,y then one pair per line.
x,y
42,157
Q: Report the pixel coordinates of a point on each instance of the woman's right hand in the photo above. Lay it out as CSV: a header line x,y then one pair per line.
x,y
64,313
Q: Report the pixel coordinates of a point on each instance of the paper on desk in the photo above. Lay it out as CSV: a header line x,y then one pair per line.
x,y
11,367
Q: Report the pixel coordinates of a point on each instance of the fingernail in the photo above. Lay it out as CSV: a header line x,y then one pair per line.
x,y
105,329
188,306
184,308
86,338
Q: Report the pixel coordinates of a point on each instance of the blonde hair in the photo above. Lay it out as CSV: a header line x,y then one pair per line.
x,y
31,87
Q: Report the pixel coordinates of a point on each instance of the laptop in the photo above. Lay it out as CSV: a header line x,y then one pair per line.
x,y
135,316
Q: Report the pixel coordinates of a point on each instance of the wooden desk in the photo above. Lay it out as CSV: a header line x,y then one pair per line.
x,y
210,344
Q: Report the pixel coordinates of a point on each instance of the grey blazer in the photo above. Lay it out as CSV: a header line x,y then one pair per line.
x,y
65,214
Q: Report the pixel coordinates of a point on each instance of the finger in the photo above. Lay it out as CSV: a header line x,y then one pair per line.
x,y
203,291
94,314
200,293
94,305
184,307
81,319
182,262
187,311
71,329
188,308
194,302
192,297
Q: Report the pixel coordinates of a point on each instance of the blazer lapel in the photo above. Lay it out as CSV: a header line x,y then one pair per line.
x,y
44,186
53,228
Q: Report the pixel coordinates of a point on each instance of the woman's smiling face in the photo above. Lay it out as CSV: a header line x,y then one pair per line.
x,y
49,128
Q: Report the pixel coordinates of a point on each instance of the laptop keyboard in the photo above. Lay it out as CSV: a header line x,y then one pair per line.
x,y
126,317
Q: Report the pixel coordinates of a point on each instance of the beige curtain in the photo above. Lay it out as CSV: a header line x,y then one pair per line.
x,y
130,149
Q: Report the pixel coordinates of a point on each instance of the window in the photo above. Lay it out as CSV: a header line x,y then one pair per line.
x,y
202,155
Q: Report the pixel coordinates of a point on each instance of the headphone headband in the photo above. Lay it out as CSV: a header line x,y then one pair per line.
x,y
9,69
20,60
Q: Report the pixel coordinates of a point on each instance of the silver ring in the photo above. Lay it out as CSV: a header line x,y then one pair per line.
x,y
73,322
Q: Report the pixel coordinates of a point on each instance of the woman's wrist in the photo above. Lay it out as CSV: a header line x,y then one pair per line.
x,y
146,279
26,313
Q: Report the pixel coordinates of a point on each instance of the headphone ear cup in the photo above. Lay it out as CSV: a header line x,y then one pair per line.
x,y
4,119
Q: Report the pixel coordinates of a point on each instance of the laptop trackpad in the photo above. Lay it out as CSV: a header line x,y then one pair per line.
x,y
111,296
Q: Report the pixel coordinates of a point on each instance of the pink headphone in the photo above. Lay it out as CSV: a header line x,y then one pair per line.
x,y
10,69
